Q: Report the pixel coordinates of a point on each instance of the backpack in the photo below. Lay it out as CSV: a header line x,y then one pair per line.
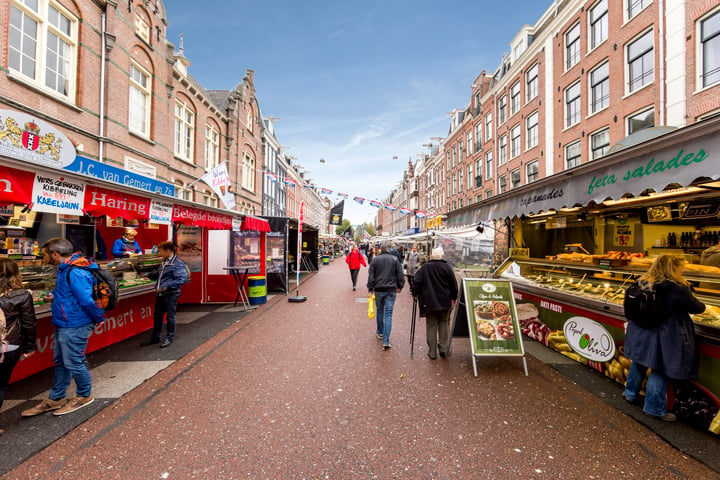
x,y
644,307
105,287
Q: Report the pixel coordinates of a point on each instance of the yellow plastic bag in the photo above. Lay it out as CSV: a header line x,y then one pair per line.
x,y
371,306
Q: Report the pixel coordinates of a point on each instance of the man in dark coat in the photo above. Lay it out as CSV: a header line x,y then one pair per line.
x,y
385,279
437,288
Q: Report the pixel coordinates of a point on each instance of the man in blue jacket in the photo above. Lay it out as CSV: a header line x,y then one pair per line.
x,y
74,314
171,275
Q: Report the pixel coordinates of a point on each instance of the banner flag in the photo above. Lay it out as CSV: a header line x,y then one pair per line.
x,y
360,200
390,207
404,211
289,183
344,195
336,213
375,203
420,214
348,233
273,178
219,181
325,191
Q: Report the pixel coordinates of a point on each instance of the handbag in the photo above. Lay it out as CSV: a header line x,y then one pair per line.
x,y
371,306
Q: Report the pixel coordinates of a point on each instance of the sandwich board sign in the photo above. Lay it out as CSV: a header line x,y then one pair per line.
x,y
492,320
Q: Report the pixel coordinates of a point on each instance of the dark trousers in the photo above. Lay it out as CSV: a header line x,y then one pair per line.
x,y
354,275
6,368
165,304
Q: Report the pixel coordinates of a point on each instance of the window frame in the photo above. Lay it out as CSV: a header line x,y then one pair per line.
x,y
502,150
532,84
184,132
604,147
248,172
636,114
631,5
532,176
502,184
604,86
702,42
515,137
575,160
515,98
44,28
601,21
488,165
646,77
572,46
532,131
146,92
513,173
212,139
573,107
488,127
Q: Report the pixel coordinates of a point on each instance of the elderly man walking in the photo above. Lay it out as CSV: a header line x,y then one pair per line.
x,y
385,279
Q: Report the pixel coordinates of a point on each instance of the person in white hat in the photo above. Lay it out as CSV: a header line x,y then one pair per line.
x,y
126,245
436,287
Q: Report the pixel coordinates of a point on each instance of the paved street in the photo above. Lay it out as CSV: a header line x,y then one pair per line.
x,y
304,390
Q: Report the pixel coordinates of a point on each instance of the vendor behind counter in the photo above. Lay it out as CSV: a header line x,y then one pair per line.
x,y
126,245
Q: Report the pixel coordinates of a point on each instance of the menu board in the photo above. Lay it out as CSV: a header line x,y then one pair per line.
x,y
492,319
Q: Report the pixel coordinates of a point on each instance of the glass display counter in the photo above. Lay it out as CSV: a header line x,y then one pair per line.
x,y
600,286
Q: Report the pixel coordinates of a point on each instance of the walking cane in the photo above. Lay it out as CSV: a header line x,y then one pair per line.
x,y
412,326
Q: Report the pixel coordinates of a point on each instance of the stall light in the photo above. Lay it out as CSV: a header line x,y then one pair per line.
x,y
670,195
542,214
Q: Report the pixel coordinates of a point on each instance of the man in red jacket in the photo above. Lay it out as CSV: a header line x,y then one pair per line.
x,y
354,259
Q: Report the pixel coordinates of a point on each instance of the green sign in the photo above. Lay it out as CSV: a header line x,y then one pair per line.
x,y
492,319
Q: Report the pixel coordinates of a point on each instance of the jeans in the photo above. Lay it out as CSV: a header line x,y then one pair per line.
x,y
354,275
384,303
165,303
655,390
70,361
6,368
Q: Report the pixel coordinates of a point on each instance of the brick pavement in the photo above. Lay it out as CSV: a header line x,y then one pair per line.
x,y
304,390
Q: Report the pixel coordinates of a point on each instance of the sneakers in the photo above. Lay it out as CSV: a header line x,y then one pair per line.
x,y
668,417
387,347
166,343
46,405
73,404
379,335
150,341
637,401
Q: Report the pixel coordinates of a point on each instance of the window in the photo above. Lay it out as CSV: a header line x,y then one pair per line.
x,y
470,176
478,172
454,156
488,193
460,203
515,141
600,87
502,184
640,62
469,143
572,155
478,105
572,105
142,28
478,137
502,150
184,131
710,49
599,143
531,78
488,127
210,199
42,45
460,180
454,183
531,171
572,46
447,161
634,7
449,186
139,103
250,119
248,172
488,165
502,110
212,147
515,98
515,178
532,130
641,120
598,23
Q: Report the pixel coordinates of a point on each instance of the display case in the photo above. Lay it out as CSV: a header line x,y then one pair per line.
x,y
600,286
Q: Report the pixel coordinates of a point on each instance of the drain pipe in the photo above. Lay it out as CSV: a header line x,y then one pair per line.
x,y
103,17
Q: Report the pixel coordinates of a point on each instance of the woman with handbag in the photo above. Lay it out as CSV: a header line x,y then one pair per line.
x,y
16,304
668,347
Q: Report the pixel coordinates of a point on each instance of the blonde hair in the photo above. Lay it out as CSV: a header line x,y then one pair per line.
x,y
665,267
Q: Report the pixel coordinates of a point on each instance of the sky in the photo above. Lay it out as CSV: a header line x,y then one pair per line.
x,y
353,83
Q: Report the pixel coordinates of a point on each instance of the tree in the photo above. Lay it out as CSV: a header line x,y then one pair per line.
x,y
342,227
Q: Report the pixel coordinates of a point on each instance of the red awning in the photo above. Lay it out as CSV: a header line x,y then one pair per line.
x,y
16,186
201,218
256,224
114,204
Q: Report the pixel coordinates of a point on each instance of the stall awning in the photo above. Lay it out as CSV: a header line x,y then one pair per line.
x,y
256,224
678,158
201,218
114,204
16,186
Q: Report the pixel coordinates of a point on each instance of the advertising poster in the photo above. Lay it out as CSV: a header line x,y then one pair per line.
x,y
161,212
189,241
492,319
55,194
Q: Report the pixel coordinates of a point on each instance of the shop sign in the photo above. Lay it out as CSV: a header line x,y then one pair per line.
x,y
589,339
236,224
92,168
161,212
16,186
624,234
201,218
705,209
26,138
57,194
99,201
68,219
